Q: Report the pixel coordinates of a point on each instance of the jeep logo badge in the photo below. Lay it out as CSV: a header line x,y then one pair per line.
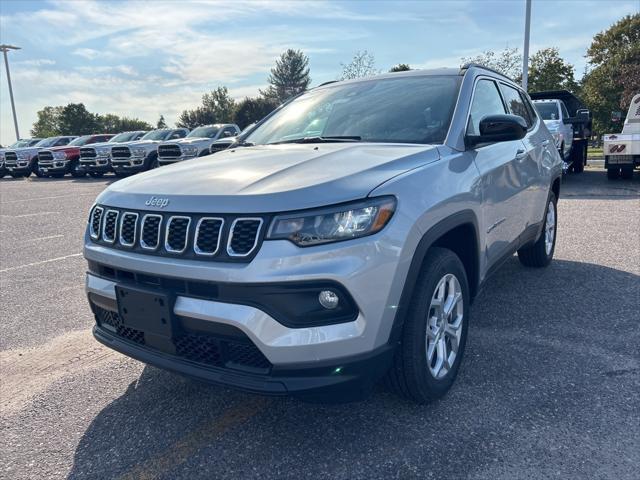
x,y
157,202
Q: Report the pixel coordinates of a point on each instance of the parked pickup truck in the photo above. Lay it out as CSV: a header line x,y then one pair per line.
x,y
96,159
58,161
22,143
196,144
22,162
141,155
569,123
622,150
317,265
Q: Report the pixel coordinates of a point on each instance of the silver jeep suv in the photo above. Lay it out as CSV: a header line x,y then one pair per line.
x,y
340,242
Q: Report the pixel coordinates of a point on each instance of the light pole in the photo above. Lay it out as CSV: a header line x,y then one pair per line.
x,y
5,48
525,55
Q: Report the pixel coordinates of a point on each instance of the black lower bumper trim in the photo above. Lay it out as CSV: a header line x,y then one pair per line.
x,y
340,380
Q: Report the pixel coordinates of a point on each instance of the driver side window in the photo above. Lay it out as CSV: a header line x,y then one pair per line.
x,y
486,101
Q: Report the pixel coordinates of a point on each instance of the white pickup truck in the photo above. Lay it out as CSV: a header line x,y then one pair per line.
x,y
622,150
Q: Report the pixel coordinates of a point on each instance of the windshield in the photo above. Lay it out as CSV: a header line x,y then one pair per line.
x,y
123,137
415,109
204,132
78,142
548,111
19,143
46,142
156,135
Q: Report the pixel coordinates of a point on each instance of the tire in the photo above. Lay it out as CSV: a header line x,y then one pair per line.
x,y
121,174
37,171
627,173
76,170
153,163
541,252
414,373
561,152
56,175
17,175
612,173
96,174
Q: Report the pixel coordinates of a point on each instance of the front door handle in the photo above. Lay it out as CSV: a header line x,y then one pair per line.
x,y
545,143
520,154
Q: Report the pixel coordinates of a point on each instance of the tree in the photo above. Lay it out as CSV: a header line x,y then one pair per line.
x,y
112,123
363,64
614,56
48,122
401,67
75,119
548,71
217,107
508,61
289,77
251,110
161,123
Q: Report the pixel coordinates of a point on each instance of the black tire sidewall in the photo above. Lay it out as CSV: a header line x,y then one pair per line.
x,y
438,265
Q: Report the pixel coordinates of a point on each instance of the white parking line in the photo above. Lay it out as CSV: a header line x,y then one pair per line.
x,y
30,214
40,263
46,238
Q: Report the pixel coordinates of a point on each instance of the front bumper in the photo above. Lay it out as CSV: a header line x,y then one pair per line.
x,y
54,166
131,164
98,164
20,166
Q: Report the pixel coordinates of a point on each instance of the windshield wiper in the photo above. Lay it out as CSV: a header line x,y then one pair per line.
x,y
243,144
327,139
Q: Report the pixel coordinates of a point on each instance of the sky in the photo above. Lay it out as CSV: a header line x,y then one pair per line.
x,y
147,58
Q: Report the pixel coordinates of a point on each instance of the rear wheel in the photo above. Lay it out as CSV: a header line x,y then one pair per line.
x,y
612,173
540,253
434,334
627,173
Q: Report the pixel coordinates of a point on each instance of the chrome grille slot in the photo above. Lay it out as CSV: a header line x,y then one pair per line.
x,y
45,155
109,226
244,236
150,237
169,151
176,234
96,222
10,156
208,234
87,153
120,152
128,229
218,147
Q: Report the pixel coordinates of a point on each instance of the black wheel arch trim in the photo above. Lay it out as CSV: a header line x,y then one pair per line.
x,y
459,219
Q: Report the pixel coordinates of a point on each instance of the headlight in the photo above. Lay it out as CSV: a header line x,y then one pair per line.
x,y
59,155
102,152
190,150
23,156
139,152
333,224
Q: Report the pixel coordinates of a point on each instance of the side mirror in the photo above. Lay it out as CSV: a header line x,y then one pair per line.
x,y
498,128
227,134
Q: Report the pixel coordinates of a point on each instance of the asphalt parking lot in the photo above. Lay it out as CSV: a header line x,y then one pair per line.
x,y
549,388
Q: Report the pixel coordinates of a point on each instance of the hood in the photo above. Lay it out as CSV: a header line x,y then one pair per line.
x,y
189,141
142,143
29,150
66,148
273,178
100,144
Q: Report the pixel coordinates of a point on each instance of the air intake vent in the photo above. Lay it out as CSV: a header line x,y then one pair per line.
x,y
169,151
244,236
208,233
150,238
88,152
45,155
128,229
176,235
109,226
95,222
120,152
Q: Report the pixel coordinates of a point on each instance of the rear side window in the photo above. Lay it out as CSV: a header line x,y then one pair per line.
x,y
563,107
515,104
486,101
62,141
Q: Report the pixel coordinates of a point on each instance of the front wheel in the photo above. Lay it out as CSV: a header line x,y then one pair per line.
x,y
76,170
434,334
540,253
627,173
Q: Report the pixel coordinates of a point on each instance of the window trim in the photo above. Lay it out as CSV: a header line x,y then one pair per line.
x,y
473,96
520,92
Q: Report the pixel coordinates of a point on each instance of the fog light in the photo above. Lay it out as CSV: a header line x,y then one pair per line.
x,y
328,299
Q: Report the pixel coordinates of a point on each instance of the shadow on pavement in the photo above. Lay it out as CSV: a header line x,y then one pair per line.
x,y
595,184
545,363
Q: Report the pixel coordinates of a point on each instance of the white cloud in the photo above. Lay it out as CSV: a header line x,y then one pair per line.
x,y
89,53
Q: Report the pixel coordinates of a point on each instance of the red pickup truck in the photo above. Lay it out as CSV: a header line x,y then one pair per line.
x,y
58,161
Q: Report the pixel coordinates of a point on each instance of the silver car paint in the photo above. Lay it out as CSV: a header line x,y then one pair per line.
x,y
505,193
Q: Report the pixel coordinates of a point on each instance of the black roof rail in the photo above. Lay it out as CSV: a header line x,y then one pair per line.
x,y
468,65
327,83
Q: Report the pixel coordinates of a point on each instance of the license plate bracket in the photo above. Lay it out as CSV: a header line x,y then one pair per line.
x,y
150,311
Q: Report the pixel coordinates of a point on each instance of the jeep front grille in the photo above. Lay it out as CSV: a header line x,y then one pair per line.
x,y
244,236
120,152
195,236
45,156
87,153
169,151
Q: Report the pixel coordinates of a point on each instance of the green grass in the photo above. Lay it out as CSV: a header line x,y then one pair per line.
x,y
594,153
